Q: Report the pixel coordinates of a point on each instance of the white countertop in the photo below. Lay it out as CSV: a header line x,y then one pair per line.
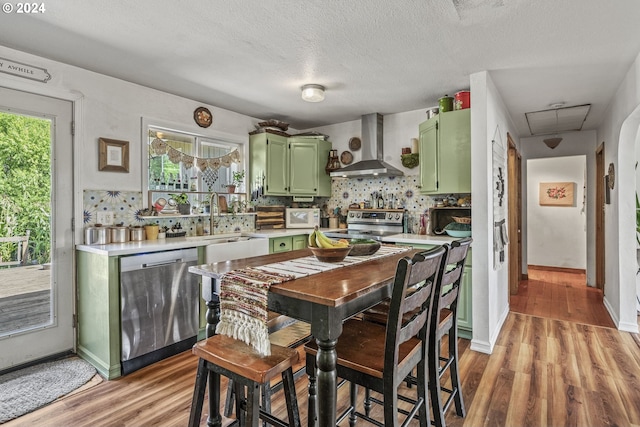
x,y
130,248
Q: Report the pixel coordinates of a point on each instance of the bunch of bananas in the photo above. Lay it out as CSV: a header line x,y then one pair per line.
x,y
317,239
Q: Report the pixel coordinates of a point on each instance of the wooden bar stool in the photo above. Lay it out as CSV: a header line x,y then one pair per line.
x,y
239,362
285,332
443,322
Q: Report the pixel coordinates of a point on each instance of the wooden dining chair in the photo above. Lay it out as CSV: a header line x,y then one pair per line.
x,y
444,322
379,357
22,246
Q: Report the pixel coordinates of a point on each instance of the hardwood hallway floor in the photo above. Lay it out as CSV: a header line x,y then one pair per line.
x,y
562,295
543,372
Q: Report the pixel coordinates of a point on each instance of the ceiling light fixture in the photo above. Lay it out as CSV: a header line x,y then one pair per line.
x,y
313,93
555,141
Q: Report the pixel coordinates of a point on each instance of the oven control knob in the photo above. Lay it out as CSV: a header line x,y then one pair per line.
x,y
351,214
358,214
397,216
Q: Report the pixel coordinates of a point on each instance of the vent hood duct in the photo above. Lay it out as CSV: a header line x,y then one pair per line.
x,y
372,163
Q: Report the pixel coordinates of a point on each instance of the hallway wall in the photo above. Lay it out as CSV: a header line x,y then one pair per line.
x,y
557,235
573,143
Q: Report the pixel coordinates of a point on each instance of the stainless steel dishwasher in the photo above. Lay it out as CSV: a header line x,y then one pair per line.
x,y
159,306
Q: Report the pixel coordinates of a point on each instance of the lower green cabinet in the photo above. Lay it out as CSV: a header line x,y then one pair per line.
x,y
287,243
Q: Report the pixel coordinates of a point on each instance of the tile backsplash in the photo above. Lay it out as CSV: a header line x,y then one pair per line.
x,y
127,205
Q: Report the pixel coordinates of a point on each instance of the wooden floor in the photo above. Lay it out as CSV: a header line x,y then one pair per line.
x,y
543,372
562,295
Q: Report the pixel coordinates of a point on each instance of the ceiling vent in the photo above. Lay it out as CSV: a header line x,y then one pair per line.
x,y
556,120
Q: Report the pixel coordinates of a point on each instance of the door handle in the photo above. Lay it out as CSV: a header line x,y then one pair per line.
x,y
158,264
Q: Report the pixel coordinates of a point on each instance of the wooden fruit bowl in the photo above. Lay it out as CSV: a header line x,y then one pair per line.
x,y
331,254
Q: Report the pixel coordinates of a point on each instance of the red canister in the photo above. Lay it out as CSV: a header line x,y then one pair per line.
x,y
462,100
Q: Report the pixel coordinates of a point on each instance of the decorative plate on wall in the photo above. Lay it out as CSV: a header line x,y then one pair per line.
x,y
354,144
346,157
203,117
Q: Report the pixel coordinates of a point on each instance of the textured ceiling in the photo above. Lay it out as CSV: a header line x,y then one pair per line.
x,y
372,55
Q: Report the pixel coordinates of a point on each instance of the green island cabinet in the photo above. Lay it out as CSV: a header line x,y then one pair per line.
x,y
445,153
464,299
291,166
98,298
287,243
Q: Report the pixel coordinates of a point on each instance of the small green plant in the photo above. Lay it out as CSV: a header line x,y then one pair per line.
x,y
637,219
181,199
238,178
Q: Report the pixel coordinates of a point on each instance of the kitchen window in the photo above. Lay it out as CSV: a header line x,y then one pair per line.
x,y
166,171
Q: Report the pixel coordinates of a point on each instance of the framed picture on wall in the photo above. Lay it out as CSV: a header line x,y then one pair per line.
x,y
557,193
113,155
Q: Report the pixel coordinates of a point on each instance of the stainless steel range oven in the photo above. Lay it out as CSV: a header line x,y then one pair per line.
x,y
371,224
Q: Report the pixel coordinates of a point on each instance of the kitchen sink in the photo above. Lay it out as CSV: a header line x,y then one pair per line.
x,y
217,240
226,248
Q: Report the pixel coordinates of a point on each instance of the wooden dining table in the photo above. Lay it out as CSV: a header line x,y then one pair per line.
x,y
324,300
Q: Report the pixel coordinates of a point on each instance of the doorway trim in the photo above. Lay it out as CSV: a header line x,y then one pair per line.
x,y
514,179
599,219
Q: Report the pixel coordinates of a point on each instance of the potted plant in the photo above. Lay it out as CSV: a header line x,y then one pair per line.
x,y
151,231
238,179
182,200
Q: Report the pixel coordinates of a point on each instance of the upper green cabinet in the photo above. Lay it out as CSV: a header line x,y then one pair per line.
x,y
289,166
445,153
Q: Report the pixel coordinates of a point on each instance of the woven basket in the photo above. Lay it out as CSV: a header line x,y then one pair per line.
x,y
462,219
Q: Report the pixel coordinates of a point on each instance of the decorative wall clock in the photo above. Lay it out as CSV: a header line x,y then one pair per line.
x,y
203,117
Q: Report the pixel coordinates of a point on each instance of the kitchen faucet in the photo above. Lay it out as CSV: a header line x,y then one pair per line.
x,y
213,199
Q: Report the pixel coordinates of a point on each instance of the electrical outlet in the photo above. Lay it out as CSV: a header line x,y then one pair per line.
x,y
105,218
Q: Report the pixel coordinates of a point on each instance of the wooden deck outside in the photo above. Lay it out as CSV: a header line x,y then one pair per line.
x,y
24,297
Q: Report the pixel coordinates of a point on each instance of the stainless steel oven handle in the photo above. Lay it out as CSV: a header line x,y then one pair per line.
x,y
158,264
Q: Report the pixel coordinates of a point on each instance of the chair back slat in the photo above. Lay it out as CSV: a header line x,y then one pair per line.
x,y
456,256
413,292
22,246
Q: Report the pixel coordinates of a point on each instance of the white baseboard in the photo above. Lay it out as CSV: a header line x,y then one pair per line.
x,y
622,326
487,346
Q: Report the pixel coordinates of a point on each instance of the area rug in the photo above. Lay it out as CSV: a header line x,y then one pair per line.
x,y
28,389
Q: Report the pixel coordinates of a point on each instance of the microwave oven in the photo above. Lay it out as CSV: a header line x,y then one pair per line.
x,y
302,217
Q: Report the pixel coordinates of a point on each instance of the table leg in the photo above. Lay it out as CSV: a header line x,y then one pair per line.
x,y
213,317
326,377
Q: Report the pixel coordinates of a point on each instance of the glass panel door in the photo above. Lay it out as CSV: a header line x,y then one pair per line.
x,y
36,240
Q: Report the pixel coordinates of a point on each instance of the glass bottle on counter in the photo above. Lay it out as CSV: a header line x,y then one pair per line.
x,y
380,201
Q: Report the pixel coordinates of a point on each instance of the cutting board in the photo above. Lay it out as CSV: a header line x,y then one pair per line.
x,y
222,204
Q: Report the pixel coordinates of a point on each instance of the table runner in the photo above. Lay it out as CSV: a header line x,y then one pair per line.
x,y
244,292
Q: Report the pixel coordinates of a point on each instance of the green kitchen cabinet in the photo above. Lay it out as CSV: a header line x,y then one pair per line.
x,y
445,153
287,243
307,159
299,242
270,163
289,166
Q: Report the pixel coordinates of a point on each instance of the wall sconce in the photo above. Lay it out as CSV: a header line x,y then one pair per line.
x,y
313,93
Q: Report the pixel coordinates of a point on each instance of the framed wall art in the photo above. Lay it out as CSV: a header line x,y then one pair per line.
x,y
113,155
557,193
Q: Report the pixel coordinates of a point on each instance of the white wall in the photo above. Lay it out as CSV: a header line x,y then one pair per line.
x,y
619,132
113,108
557,235
573,143
489,119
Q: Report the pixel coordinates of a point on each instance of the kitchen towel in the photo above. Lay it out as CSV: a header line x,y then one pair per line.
x,y
244,293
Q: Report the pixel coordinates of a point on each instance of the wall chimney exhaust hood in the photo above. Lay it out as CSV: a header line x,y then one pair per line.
x,y
372,163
